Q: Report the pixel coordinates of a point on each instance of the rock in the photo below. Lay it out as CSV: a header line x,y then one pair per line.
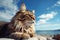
x,y
6,39
56,37
34,38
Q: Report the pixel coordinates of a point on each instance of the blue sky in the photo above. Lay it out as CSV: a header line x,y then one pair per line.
x,y
47,12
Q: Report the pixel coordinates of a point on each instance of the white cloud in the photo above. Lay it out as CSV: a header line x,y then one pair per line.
x,y
45,17
55,5
10,9
43,22
48,15
5,15
48,26
58,2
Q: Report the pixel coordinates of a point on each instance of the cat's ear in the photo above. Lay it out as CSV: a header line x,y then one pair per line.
x,y
23,7
33,11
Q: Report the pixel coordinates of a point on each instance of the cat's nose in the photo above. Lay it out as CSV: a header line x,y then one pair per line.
x,y
32,22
